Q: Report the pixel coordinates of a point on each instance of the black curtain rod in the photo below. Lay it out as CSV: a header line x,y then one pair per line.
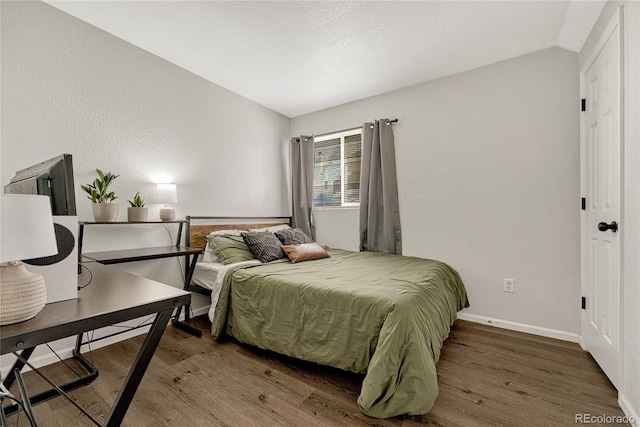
x,y
388,122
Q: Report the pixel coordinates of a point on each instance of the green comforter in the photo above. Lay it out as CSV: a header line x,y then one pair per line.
x,y
379,314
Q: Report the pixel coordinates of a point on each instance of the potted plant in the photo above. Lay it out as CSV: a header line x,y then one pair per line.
x,y
99,194
137,212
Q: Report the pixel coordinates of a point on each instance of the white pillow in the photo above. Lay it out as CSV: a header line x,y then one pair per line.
x,y
208,255
226,233
272,229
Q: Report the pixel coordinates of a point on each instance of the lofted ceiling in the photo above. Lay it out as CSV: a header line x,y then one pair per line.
x,y
297,57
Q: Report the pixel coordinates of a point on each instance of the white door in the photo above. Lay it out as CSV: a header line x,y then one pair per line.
x,y
602,188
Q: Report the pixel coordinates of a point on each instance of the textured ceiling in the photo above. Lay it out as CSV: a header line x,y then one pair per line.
x,y
299,57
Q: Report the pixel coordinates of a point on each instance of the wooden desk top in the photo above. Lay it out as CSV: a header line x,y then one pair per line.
x,y
113,296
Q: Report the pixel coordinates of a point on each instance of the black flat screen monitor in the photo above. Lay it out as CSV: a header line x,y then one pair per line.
x,y
53,178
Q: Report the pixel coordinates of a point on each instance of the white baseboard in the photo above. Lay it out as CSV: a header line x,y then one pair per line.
x,y
520,327
629,410
582,343
197,311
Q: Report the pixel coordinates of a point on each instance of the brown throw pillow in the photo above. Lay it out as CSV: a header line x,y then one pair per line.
x,y
305,252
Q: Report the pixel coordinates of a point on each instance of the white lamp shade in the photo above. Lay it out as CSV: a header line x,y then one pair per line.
x,y
167,193
26,227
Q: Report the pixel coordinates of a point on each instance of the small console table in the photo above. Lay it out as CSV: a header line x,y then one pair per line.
x,y
129,255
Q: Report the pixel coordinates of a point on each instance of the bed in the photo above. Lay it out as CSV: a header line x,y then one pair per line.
x,y
381,315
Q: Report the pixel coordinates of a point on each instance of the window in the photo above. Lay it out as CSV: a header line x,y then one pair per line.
x,y
336,179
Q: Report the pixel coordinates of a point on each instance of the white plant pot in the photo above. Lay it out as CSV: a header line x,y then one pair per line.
x,y
137,214
105,212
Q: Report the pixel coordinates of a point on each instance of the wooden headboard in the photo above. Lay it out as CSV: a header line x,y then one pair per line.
x,y
198,227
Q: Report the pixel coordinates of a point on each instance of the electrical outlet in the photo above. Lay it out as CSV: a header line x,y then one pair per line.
x,y
509,285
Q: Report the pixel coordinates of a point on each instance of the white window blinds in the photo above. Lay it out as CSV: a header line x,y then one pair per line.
x,y
337,160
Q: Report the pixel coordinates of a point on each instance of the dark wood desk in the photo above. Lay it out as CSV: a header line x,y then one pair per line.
x,y
143,254
113,296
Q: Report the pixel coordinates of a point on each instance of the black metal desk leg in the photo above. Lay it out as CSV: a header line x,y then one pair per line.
x,y
21,361
26,402
138,369
187,280
3,419
185,326
18,364
191,269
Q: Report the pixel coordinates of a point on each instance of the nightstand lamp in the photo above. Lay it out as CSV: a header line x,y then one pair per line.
x,y
167,193
26,232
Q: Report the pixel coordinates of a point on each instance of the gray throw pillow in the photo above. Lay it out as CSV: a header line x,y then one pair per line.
x,y
294,236
264,245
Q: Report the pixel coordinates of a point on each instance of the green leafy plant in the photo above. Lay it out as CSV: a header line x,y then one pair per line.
x,y
98,190
138,202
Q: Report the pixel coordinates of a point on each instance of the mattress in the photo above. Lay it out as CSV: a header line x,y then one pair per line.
x,y
205,274
209,275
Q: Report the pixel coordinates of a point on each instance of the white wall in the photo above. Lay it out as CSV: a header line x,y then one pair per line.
x,y
68,87
488,177
630,221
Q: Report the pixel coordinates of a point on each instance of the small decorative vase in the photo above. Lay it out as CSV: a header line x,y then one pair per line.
x,y
137,214
105,212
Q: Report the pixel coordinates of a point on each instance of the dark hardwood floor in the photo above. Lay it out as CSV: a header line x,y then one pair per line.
x,y
487,377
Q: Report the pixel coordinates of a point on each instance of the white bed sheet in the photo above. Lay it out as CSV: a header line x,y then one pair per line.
x,y
210,275
205,274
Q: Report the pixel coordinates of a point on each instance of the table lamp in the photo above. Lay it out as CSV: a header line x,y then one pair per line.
x,y
26,232
167,193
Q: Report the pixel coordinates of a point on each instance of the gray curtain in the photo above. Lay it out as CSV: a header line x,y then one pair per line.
x,y
302,170
379,209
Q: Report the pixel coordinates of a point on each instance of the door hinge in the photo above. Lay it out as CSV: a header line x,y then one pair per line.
x,y
584,303
584,203
583,105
